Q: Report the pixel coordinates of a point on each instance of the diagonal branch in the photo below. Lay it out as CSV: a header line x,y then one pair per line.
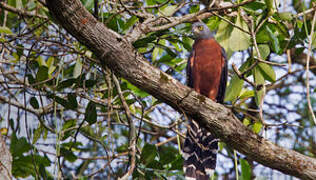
x,y
118,54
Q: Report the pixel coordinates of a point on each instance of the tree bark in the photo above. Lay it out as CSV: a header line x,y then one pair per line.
x,y
119,55
5,161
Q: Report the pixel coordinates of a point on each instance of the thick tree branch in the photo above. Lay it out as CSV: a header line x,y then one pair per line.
x,y
118,54
5,160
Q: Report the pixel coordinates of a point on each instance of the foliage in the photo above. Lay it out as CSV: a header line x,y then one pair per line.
x,y
64,115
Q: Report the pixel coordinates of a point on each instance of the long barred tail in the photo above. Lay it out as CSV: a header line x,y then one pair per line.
x,y
199,153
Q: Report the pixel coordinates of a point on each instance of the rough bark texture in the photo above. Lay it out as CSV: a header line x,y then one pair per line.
x,y
5,161
119,55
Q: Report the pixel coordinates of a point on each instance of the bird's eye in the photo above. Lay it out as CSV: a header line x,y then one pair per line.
x,y
200,28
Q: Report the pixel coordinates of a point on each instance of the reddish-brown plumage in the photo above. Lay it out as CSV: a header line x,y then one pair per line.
x,y
207,62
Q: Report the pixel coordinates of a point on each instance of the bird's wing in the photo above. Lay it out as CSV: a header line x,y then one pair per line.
x,y
223,81
189,69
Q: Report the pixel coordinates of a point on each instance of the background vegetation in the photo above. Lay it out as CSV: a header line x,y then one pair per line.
x,y
64,116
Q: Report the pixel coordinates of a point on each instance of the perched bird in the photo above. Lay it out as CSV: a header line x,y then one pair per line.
x,y
206,74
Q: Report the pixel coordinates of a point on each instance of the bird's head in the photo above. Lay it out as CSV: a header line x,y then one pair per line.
x,y
201,31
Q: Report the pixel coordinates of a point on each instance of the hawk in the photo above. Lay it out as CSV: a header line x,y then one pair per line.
x,y
206,74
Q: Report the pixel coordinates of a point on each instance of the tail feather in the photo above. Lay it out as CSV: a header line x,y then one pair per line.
x,y
199,153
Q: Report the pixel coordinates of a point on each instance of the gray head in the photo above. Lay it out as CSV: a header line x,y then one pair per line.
x,y
201,31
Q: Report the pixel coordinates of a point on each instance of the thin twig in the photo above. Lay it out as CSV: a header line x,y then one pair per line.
x,y
231,23
306,12
166,141
310,108
241,76
132,130
268,62
289,60
253,35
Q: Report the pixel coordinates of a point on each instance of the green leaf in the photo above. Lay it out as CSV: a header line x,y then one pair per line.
x,y
74,145
270,7
88,83
69,124
88,131
130,22
177,163
34,103
50,65
149,152
286,16
177,46
264,50
68,155
19,4
22,167
247,94
78,68
213,22
19,146
187,43
66,83
234,88
37,133
88,4
254,6
122,148
156,52
257,127
282,31
72,101
259,80
144,41
167,10
59,100
223,34
239,40
154,164
136,90
223,37
42,74
245,169
150,2
236,84
299,23
169,53
274,39
116,23
5,30
167,154
246,121
43,171
40,60
91,113
267,72
194,8
160,1
261,36
314,40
